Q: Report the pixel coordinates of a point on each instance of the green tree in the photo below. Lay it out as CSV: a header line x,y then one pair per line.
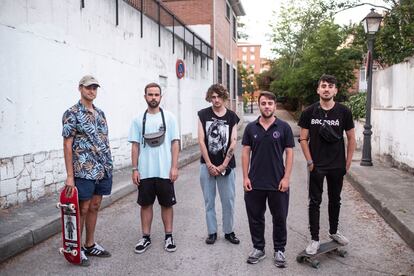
x,y
324,52
241,30
308,44
395,41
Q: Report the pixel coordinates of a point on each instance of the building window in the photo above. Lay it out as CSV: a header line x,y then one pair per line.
x,y
244,49
244,57
252,49
219,70
228,77
228,11
234,28
252,57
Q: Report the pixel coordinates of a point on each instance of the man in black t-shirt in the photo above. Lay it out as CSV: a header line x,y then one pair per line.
x,y
217,137
321,138
265,178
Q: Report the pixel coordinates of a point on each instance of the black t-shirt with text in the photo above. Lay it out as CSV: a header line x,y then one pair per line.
x,y
327,155
217,134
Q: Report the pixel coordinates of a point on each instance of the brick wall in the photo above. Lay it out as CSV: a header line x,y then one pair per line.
x,y
192,12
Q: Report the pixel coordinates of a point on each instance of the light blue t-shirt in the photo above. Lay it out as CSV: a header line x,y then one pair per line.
x,y
154,161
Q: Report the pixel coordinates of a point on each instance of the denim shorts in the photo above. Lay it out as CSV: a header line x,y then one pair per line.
x,y
87,187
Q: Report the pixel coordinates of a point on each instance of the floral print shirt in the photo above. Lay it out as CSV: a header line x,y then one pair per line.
x,y
91,152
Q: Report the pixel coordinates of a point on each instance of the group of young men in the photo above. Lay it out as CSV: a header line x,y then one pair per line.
x,y
154,138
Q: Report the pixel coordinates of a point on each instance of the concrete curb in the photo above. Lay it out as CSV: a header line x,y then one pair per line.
x,y
46,227
382,209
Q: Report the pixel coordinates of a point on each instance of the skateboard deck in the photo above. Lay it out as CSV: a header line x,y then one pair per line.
x,y
326,247
71,239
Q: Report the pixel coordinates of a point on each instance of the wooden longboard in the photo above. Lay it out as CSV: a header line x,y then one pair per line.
x,y
71,239
327,247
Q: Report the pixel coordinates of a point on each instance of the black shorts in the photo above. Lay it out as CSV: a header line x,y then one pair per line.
x,y
162,188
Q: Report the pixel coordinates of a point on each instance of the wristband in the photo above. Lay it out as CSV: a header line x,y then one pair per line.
x,y
309,162
135,169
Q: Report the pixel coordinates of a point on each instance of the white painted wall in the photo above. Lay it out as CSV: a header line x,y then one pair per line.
x,y
47,46
392,115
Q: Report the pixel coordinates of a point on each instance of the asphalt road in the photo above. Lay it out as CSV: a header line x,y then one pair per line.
x,y
375,249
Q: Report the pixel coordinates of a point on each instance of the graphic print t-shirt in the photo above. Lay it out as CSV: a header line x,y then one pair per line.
x,y
327,155
217,133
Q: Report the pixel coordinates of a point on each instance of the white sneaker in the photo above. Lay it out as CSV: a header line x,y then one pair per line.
x,y
339,238
313,247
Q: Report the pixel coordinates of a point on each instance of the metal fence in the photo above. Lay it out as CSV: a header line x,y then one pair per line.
x,y
165,18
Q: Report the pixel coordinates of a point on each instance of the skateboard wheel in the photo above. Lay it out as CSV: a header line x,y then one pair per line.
x,y
342,253
299,259
61,251
58,205
72,207
315,264
74,252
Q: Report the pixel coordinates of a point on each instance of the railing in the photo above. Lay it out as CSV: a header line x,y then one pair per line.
x,y
165,18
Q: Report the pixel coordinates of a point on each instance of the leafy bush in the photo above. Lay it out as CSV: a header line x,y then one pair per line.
x,y
357,105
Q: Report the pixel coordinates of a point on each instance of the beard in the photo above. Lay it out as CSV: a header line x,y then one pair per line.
x,y
266,116
153,104
326,99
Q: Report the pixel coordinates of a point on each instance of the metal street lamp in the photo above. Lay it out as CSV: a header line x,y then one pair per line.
x,y
371,24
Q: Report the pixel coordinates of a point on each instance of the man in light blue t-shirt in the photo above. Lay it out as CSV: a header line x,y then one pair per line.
x,y
155,165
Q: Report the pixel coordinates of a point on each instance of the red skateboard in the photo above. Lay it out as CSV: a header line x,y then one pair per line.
x,y
71,239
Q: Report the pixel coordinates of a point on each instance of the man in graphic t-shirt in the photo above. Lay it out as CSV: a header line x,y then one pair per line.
x,y
321,138
217,136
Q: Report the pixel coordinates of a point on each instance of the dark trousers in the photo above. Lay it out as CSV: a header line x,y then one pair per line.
x,y
278,203
334,179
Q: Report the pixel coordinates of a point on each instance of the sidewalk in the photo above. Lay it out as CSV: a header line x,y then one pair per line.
x,y
24,226
389,191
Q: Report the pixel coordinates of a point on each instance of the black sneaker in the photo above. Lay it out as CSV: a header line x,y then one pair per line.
x,y
142,245
97,251
169,245
231,237
84,259
211,239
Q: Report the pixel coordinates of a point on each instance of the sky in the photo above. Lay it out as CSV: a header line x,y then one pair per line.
x,y
258,16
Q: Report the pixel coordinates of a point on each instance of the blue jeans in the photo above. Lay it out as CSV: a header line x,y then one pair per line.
x,y
225,185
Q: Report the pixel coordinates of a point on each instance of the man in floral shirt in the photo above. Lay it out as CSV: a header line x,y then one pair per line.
x,y
88,161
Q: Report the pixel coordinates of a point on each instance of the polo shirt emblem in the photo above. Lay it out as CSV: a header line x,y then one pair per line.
x,y
255,136
276,134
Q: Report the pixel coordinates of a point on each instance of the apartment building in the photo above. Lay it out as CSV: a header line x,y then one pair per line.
x,y
216,23
249,56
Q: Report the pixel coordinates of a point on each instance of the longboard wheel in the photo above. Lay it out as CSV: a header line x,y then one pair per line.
x,y
58,205
300,259
74,252
342,253
72,207
61,251
315,264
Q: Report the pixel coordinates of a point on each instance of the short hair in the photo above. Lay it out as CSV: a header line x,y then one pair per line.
x,y
328,78
219,89
268,95
152,84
